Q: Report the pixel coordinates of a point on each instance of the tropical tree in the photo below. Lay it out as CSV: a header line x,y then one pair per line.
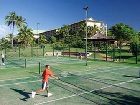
x,y
135,44
20,22
42,39
92,30
82,30
9,37
4,43
59,34
13,20
122,32
53,39
65,33
25,36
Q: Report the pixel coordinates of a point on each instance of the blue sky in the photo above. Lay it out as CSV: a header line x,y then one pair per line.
x,y
55,13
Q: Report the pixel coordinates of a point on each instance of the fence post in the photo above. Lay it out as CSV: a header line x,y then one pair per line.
x,y
19,51
25,63
43,51
39,67
63,49
53,49
136,54
5,54
120,48
106,49
113,53
94,50
69,50
31,50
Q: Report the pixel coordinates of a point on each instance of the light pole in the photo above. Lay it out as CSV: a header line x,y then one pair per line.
x,y
137,50
86,11
106,29
37,32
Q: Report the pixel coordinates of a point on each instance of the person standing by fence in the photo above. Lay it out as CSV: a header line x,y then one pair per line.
x,y
3,58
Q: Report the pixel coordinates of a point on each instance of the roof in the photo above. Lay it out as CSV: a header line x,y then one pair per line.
x,y
38,31
100,37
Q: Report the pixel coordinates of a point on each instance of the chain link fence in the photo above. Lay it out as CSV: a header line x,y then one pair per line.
x,y
102,51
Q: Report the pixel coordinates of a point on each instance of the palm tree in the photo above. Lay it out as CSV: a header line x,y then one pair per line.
x,y
20,22
9,37
25,36
92,30
13,20
4,43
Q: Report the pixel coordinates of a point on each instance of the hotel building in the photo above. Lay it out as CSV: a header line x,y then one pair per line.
x,y
74,26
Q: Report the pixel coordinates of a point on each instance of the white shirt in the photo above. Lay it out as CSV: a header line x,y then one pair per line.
x,y
2,56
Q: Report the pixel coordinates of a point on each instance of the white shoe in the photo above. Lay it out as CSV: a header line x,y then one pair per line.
x,y
33,94
49,94
3,63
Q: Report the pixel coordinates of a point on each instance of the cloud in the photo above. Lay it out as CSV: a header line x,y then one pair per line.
x,y
4,30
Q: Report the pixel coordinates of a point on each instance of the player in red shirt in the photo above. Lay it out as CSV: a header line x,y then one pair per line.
x,y
45,77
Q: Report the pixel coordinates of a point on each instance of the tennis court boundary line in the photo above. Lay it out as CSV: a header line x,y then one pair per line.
x,y
117,84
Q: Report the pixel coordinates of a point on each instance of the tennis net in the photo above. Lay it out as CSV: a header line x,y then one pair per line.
x,y
95,90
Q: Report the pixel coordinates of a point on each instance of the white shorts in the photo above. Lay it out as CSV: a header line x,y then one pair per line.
x,y
44,85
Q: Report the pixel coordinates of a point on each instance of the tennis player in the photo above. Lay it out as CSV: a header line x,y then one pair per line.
x,y
45,77
3,58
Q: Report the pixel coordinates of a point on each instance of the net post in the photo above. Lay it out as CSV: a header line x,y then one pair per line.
x,y
25,63
39,67
139,73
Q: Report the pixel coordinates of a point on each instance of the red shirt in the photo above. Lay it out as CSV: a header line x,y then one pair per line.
x,y
46,74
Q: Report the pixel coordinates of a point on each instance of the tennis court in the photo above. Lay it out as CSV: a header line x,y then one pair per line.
x,y
98,83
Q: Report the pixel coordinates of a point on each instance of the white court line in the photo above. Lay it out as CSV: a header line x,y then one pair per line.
x,y
117,84
18,78
17,83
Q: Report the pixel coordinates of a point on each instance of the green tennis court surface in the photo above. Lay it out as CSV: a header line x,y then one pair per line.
x,y
99,83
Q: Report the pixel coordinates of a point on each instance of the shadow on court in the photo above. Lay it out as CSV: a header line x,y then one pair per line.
x,y
131,76
117,98
23,93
